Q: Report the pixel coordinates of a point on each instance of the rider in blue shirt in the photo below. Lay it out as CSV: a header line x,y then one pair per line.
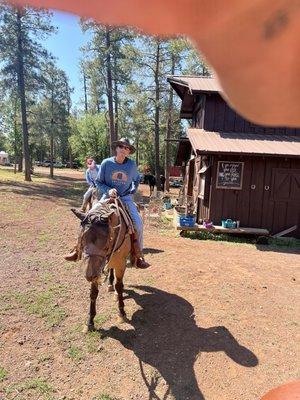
x,y
119,177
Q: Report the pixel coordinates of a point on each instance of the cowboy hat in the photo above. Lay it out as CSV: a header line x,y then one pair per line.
x,y
124,142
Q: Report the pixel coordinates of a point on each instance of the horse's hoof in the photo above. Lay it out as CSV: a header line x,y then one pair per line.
x,y
110,288
122,319
88,328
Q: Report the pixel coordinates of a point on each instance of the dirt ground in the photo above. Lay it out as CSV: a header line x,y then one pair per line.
x,y
208,320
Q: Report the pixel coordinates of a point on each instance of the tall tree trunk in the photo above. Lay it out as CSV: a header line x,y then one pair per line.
x,y
52,134
51,151
15,135
20,162
169,128
21,89
116,109
157,111
85,93
137,151
112,134
116,99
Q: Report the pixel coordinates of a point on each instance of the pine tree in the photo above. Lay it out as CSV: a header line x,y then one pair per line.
x,y
21,30
106,56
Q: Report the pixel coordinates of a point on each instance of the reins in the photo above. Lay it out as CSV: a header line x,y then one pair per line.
x,y
121,212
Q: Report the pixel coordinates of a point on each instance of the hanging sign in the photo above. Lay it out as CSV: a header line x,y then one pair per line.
x,y
230,175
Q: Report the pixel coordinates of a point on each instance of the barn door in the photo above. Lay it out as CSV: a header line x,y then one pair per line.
x,y
286,197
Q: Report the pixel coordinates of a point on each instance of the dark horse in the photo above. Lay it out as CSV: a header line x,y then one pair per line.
x,y
104,241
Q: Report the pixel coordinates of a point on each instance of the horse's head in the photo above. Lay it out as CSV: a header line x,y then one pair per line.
x,y
95,238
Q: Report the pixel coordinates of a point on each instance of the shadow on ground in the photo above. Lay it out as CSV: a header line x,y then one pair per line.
x,y
165,336
62,188
150,250
293,248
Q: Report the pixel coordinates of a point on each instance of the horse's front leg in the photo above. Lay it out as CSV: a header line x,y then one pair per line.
x,y
111,278
119,288
93,298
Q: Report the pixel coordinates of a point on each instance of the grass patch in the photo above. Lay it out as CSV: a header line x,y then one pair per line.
x,y
3,373
104,397
47,236
92,342
101,319
202,235
6,303
44,304
291,243
75,353
7,174
38,385
45,358
288,243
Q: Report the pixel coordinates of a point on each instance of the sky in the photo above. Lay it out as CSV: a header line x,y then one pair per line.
x,y
65,46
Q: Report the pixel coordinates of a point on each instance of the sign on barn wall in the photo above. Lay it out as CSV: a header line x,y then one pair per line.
x,y
230,175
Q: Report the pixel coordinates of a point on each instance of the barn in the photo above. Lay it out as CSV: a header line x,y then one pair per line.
x,y
234,168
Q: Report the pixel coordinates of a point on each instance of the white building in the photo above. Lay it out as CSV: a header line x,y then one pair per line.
x,y
4,158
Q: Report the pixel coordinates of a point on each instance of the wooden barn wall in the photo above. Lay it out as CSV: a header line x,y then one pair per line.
x,y
221,118
203,211
275,209
199,111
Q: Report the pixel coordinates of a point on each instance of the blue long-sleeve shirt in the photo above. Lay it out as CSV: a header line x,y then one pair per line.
x,y
122,177
91,175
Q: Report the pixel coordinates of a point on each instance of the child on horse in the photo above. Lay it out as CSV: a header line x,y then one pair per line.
x,y
90,175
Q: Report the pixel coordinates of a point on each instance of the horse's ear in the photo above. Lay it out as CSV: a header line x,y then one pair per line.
x,y
79,214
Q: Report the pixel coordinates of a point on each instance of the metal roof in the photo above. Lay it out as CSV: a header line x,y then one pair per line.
x,y
196,83
204,142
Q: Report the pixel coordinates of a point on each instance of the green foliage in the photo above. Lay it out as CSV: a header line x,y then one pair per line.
x,y
104,396
43,304
34,26
39,385
3,373
75,353
287,242
3,142
89,137
100,319
203,235
194,64
27,71
137,65
10,127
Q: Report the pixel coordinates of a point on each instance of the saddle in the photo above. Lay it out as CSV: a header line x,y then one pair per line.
x,y
105,210
101,214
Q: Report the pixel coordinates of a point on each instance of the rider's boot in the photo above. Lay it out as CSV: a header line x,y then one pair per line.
x,y
138,255
75,253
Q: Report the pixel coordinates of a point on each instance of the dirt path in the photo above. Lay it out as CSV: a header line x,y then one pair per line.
x,y
208,320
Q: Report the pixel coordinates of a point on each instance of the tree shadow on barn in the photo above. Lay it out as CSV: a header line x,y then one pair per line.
x,y
166,337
